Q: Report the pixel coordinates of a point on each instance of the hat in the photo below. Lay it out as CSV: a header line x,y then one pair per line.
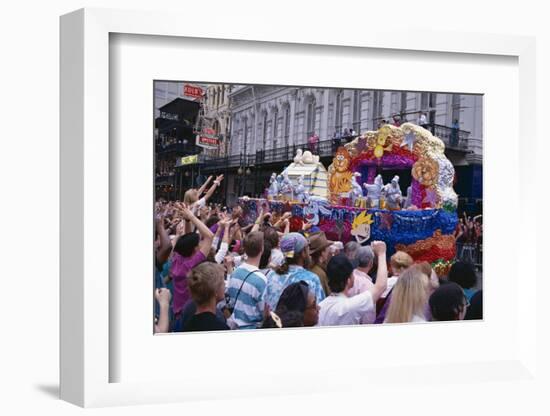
x,y
292,244
318,242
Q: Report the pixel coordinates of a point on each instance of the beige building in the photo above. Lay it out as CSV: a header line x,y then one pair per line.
x,y
217,115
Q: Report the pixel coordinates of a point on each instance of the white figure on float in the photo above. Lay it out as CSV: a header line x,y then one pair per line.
x,y
393,193
309,158
287,189
356,190
273,189
300,192
408,199
298,159
373,191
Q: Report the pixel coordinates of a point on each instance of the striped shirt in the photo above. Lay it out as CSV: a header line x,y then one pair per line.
x,y
248,310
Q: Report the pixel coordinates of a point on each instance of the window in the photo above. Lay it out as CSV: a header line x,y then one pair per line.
x,y
357,111
424,100
287,124
310,126
455,112
377,108
338,112
264,135
275,124
403,105
245,134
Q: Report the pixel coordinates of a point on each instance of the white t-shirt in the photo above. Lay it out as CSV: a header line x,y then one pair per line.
x,y
198,205
391,283
418,318
338,309
277,258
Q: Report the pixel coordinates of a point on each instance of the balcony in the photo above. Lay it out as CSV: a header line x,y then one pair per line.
x,y
325,148
180,149
446,134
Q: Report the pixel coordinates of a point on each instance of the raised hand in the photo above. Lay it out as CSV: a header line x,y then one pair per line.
x,y
378,247
163,296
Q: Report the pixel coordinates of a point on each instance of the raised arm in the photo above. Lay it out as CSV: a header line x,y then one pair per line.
x,y
163,297
204,185
259,221
224,247
379,248
206,234
165,245
216,183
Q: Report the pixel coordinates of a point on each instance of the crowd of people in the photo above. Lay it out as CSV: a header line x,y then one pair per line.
x,y
215,272
469,239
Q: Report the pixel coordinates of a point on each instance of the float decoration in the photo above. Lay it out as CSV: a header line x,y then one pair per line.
x,y
349,200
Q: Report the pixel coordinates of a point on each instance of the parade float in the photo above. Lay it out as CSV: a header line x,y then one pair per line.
x,y
351,201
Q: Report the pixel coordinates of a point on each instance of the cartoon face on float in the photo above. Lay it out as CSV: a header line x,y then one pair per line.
x,y
360,228
340,175
342,160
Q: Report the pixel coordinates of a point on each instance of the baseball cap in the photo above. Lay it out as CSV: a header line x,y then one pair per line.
x,y
292,244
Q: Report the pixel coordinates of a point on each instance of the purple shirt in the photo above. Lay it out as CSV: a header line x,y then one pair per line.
x,y
181,266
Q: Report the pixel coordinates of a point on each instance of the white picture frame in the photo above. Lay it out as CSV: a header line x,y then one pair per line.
x,y
85,353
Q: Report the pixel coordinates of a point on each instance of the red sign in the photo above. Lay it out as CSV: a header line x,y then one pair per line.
x,y
207,141
192,91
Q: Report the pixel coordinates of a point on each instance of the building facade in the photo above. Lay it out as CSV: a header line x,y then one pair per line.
x,y
266,119
217,116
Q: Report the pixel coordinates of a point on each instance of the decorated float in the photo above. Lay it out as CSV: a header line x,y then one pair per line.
x,y
351,201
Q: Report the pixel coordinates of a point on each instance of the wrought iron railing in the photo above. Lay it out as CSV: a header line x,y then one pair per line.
x,y
179,148
453,138
324,148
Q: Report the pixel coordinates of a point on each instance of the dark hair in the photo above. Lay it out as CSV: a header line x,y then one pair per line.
x,y
289,319
266,255
294,298
291,306
475,310
464,274
253,243
213,219
339,270
271,235
186,244
447,301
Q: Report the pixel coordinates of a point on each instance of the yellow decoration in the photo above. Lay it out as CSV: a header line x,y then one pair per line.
x,y
362,218
426,171
339,175
381,140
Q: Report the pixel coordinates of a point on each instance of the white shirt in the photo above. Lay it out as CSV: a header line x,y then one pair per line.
x,y
277,258
418,318
198,205
422,119
338,309
391,283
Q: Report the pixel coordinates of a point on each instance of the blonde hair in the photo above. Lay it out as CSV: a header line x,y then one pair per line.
x,y
409,296
204,281
191,196
400,261
426,268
